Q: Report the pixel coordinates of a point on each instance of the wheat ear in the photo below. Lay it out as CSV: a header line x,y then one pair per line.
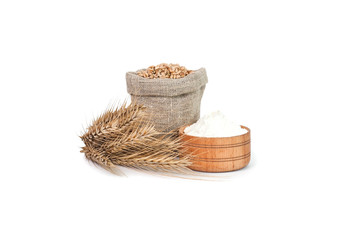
x,y
126,136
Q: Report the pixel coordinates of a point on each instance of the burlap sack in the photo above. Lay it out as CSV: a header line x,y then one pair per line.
x,y
172,102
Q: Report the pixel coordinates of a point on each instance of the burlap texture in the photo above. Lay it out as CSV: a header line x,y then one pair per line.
x,y
172,102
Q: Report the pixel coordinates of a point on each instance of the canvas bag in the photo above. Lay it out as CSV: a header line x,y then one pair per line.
x,y
172,102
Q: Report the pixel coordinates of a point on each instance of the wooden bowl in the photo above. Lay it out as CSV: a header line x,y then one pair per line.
x,y
221,154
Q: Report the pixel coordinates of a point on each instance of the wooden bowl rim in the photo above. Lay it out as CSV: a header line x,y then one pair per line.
x,y
182,132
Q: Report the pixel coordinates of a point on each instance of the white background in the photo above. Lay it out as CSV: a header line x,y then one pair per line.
x,y
272,66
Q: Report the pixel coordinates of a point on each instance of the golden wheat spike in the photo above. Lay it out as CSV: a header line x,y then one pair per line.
x,y
126,136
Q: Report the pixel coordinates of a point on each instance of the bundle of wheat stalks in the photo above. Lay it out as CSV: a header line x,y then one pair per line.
x,y
125,136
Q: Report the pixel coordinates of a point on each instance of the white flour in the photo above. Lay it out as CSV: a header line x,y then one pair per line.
x,y
214,124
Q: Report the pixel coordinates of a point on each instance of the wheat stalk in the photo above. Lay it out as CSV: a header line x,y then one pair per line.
x,y
125,136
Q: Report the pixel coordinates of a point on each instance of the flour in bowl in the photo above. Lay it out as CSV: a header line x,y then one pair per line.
x,y
214,124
